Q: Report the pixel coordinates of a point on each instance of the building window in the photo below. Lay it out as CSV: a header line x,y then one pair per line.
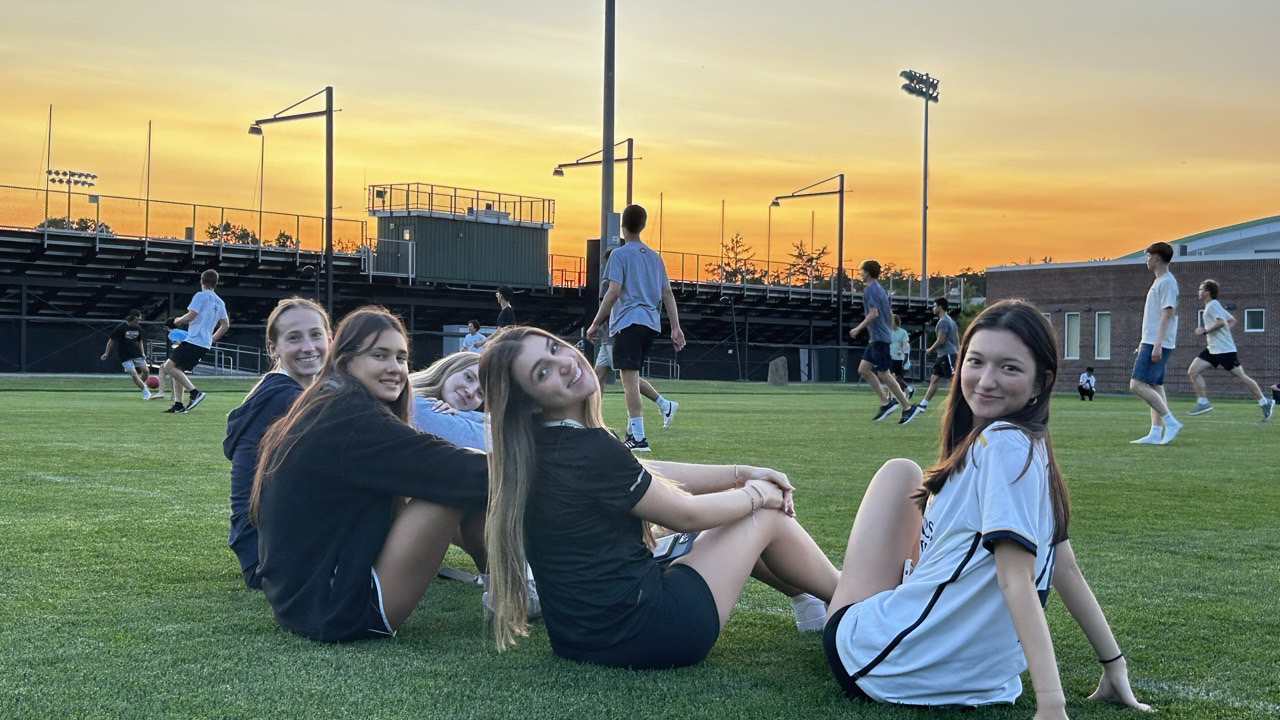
x,y
1071,341
1255,320
1102,336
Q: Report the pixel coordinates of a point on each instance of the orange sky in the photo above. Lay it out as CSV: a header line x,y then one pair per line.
x,y
1082,130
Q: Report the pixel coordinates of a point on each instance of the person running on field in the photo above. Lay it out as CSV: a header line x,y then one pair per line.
x,y
206,320
945,345
875,363
637,284
126,339
1220,352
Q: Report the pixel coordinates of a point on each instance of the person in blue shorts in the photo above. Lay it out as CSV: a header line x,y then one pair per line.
x,y
876,361
1159,338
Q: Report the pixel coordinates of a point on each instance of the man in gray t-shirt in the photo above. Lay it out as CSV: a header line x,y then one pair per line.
x,y
946,345
637,284
875,363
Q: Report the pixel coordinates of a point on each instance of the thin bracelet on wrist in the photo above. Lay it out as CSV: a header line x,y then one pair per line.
x,y
1108,662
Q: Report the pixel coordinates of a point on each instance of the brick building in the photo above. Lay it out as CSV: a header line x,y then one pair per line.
x,y
1096,307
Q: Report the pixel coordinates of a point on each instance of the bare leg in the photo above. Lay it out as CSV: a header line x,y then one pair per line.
x,y
631,391
1153,396
887,381
647,390
933,387
179,378
762,573
411,555
1196,374
864,370
1247,382
886,532
725,556
470,537
140,381
601,372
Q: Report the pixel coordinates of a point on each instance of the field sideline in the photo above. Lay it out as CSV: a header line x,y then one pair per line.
x,y
120,599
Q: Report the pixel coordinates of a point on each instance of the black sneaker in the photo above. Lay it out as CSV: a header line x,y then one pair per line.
x,y
175,408
635,445
910,414
911,391
885,409
196,397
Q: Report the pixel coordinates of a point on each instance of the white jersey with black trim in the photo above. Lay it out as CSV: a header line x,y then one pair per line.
x,y
944,636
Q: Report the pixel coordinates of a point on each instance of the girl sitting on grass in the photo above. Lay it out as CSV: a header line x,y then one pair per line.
x,y
298,343
567,495
337,561
946,573
447,400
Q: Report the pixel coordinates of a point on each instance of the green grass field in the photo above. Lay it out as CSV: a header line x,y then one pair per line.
x,y
120,599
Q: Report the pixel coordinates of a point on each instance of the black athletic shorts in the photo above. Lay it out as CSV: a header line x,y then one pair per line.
x,y
895,367
187,356
945,366
843,679
631,346
1226,361
679,632
877,354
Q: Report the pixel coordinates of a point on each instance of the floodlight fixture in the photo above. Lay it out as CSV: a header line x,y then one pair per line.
x,y
255,129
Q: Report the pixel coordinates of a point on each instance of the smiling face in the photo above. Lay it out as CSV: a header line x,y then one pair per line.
x,y
301,345
999,376
556,378
382,366
462,390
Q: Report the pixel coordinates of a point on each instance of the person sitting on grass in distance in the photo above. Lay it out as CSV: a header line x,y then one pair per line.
x,y
298,343
941,599
1087,385
570,498
340,559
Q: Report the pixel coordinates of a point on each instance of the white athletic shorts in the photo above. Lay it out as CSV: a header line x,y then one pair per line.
x,y
137,362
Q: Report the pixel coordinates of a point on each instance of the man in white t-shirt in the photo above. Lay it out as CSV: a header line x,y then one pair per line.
x,y
206,321
1220,352
1087,384
1159,329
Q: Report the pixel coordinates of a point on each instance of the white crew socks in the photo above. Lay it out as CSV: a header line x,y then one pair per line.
x,y
923,403
635,427
663,403
1263,402
1202,401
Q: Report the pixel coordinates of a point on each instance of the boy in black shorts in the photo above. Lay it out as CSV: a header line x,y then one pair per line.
x,y
947,344
637,284
876,361
207,321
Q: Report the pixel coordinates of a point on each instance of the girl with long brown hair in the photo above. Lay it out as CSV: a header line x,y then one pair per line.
x,y
941,597
338,562
569,497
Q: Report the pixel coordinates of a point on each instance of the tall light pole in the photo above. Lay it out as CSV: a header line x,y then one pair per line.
x,y
923,86
585,161
68,178
839,279
327,114
262,177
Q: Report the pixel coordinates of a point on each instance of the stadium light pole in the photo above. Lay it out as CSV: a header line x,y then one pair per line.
x,y
923,86
586,161
839,279
68,178
262,168
327,114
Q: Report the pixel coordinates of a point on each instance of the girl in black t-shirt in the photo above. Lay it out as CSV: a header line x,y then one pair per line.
x,y
336,559
569,497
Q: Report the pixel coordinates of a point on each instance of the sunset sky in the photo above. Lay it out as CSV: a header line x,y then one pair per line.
x,y
1071,130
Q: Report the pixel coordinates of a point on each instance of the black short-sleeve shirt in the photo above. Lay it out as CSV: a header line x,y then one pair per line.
x,y
506,317
128,341
596,577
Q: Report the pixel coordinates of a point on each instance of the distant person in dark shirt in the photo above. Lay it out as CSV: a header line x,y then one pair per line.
x,y
507,315
126,340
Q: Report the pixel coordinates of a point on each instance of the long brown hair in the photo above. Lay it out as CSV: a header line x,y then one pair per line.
x,y
959,430
513,418
273,328
356,335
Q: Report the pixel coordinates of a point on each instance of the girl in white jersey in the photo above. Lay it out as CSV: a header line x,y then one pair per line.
x,y
941,598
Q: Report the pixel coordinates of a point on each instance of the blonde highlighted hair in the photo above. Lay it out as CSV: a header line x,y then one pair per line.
x,y
514,421
429,381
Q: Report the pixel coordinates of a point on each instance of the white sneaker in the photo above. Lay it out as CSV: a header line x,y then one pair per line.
x,y
1170,432
669,413
1267,407
810,612
532,606
146,394
1146,440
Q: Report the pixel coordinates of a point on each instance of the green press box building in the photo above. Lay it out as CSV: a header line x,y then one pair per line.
x,y
445,234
